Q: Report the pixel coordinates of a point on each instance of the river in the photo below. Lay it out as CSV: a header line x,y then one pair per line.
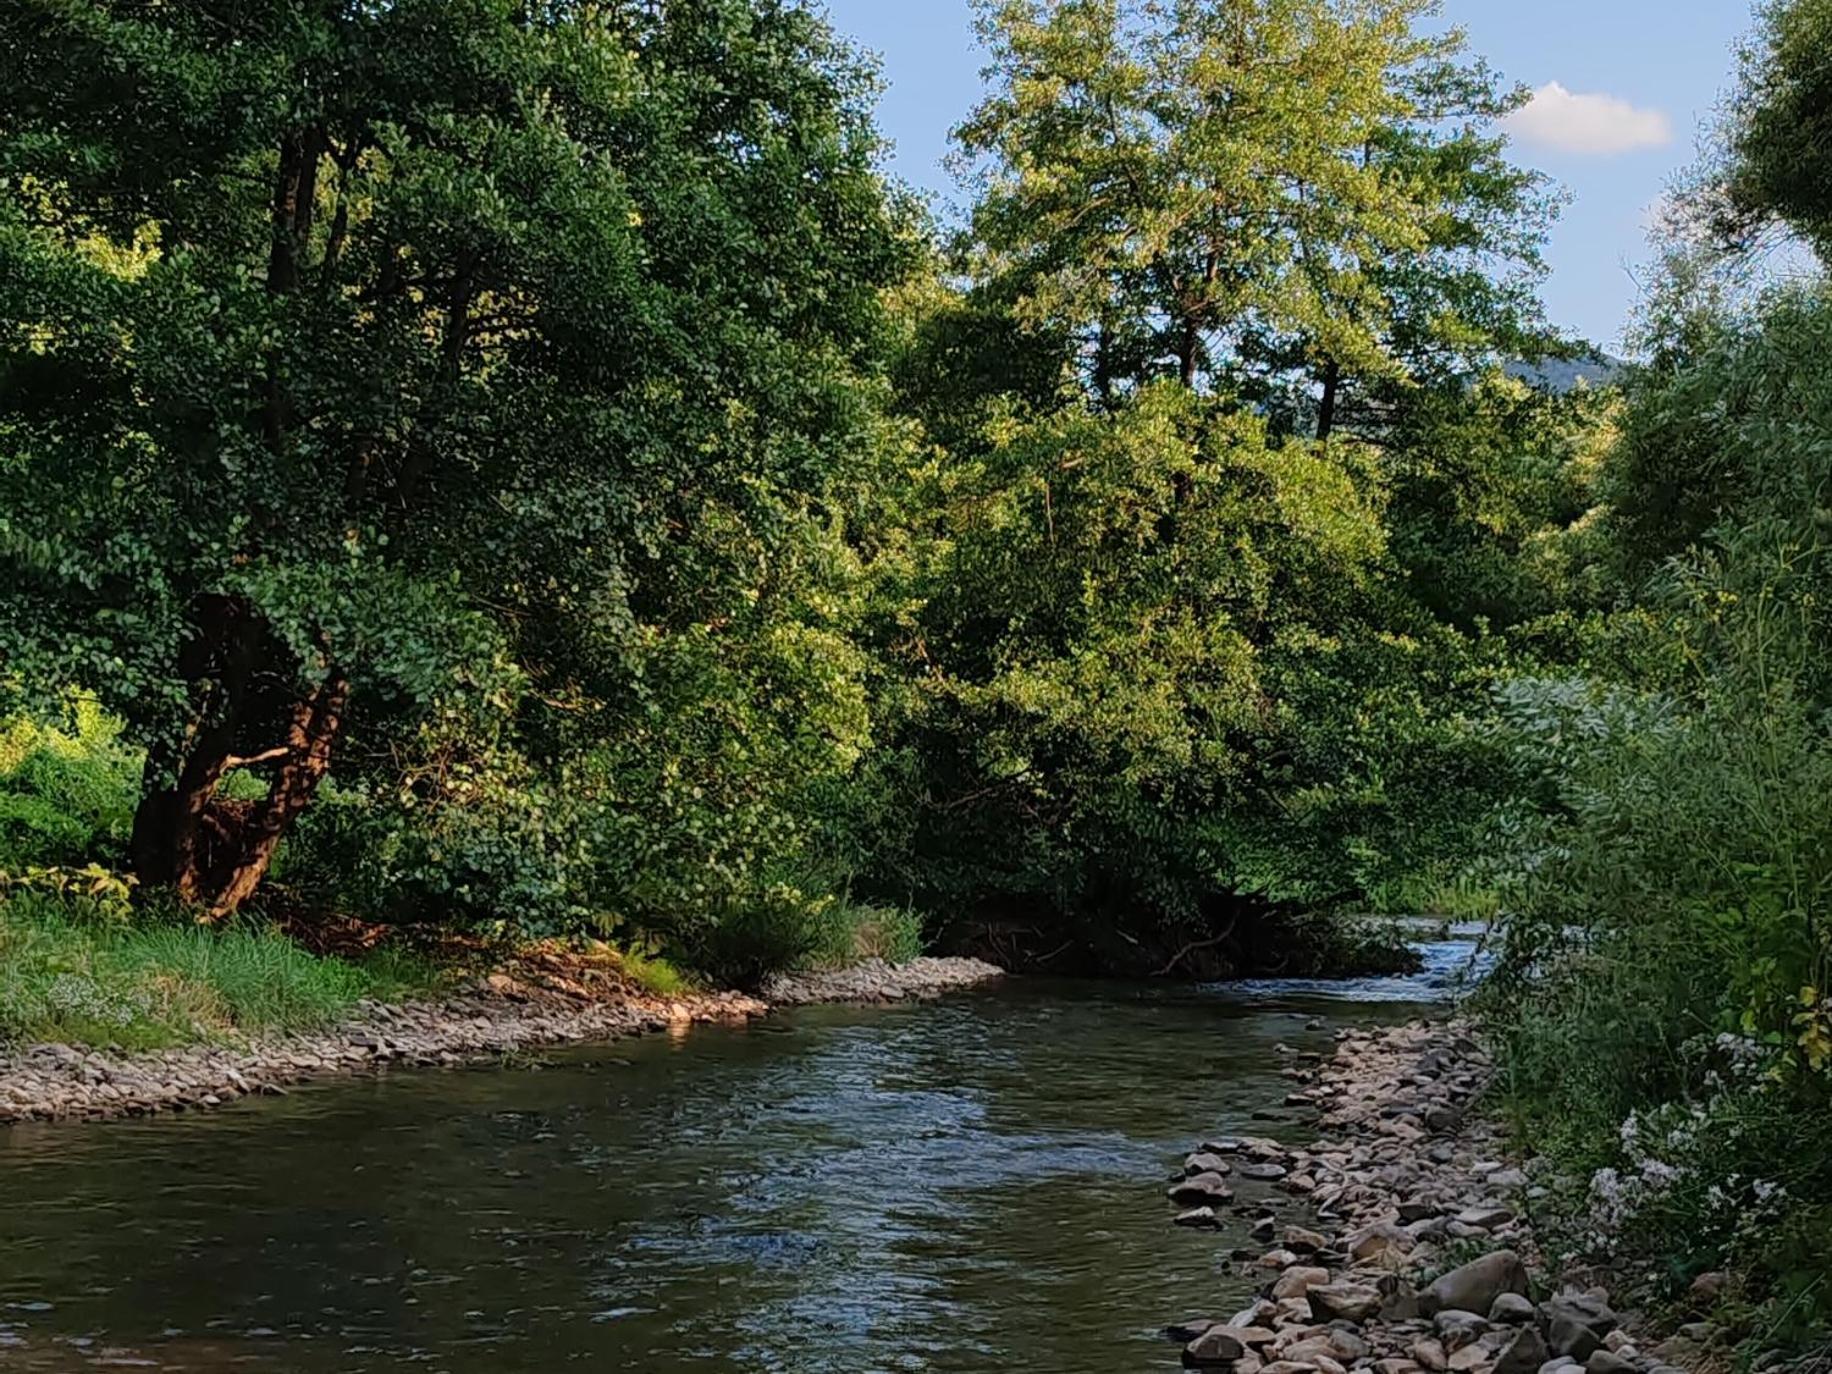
x,y
963,1186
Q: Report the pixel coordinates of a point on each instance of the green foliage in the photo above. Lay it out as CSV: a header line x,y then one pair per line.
x,y
74,969
1252,197
66,795
460,400
1780,128
1663,1001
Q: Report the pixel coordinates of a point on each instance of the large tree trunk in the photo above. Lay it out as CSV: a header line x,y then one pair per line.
x,y
208,849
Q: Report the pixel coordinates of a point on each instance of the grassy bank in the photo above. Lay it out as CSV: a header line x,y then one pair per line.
x,y
77,969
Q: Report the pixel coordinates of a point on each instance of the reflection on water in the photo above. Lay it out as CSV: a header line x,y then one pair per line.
x,y
941,1188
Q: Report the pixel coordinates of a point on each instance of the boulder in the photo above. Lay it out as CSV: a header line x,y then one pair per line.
x,y
1202,1188
1512,1309
1297,1281
1303,1241
1458,1329
1256,1316
1185,1332
1429,1354
1215,1348
1577,1324
1351,1302
1524,1354
1381,1239
1204,1163
1473,1287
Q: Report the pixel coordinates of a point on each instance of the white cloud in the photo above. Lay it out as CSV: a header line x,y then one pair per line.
x,y
1598,124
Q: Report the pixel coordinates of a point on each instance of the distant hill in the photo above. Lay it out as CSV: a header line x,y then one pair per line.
x,y
1560,375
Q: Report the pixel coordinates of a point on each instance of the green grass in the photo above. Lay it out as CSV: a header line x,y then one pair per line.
x,y
72,970
847,932
654,974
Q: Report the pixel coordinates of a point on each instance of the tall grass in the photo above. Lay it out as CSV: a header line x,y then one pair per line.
x,y
72,970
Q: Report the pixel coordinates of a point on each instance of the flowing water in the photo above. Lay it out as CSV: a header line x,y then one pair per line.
x,y
963,1186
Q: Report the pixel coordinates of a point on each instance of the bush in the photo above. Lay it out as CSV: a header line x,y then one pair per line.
x,y
1664,1000
67,791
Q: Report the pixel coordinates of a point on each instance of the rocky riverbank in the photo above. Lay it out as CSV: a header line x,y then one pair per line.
x,y
874,980
1412,1254
498,1016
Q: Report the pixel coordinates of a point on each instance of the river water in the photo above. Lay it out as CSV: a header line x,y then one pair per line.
x,y
962,1186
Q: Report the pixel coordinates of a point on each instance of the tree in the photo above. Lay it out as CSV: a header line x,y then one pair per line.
x,y
1279,199
1778,140
409,380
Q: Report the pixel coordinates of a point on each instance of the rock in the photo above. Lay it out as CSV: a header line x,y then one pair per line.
x,y
1443,1120
1263,1171
1265,1228
1381,1239
1276,1259
1524,1354
1297,1282
1213,1349
1576,1325
1203,1188
1185,1332
1342,1346
1429,1354
1512,1309
1204,1163
1303,1241
1198,1218
1485,1218
1708,1288
1254,1318
1353,1302
1475,1286
1469,1359
1459,1328
1507,1178
1607,1362
1293,1312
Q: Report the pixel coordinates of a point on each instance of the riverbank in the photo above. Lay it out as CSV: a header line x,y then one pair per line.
x,y
493,1018
1414,1254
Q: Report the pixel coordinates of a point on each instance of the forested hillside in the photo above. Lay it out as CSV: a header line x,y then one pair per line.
x,y
522,470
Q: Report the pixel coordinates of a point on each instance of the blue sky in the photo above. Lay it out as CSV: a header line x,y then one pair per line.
x,y
1634,78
